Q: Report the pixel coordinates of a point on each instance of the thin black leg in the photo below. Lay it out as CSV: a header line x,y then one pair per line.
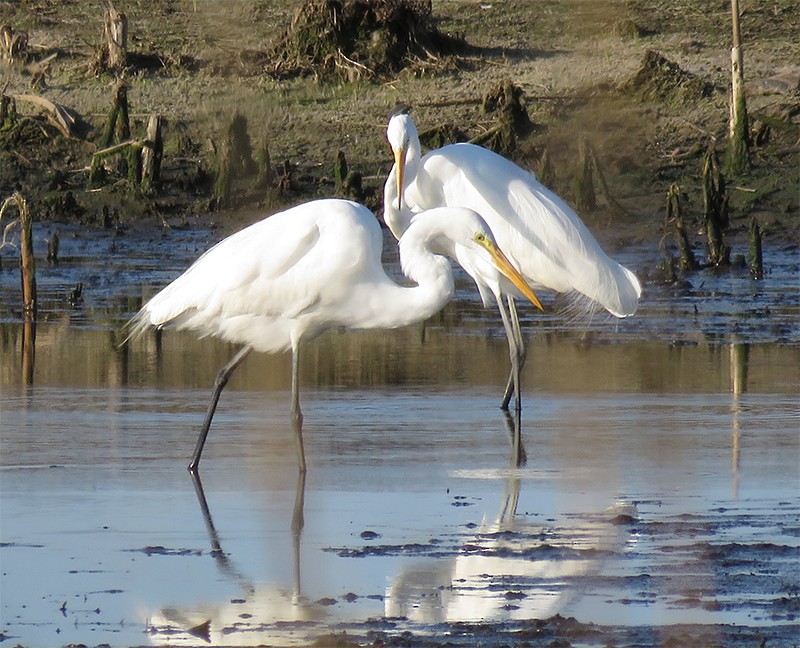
x,y
219,384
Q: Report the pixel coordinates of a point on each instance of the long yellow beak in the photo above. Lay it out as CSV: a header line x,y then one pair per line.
x,y
510,272
400,166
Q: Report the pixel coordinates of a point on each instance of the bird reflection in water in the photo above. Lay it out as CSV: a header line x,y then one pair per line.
x,y
251,619
510,569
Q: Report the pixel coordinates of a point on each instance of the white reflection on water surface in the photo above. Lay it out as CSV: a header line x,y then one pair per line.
x,y
96,504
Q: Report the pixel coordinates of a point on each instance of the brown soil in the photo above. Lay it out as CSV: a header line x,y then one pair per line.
x,y
643,81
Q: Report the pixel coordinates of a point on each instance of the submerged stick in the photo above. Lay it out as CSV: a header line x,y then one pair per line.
x,y
755,260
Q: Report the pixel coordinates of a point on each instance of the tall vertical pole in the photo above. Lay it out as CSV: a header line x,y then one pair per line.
x,y
738,128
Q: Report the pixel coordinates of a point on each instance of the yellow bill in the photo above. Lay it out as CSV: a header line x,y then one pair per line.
x,y
509,271
400,165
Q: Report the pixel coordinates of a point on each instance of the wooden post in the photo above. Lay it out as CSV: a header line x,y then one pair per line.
x,y
27,262
221,195
115,30
151,154
738,128
8,111
27,267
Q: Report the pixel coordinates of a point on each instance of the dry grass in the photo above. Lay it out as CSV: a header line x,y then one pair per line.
x,y
206,59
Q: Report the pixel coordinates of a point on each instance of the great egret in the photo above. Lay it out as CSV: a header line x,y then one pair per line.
x,y
542,236
292,276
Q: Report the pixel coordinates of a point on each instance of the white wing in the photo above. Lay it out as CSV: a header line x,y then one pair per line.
x,y
533,226
266,284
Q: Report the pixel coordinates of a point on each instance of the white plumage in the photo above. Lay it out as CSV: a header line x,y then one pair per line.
x,y
542,236
292,276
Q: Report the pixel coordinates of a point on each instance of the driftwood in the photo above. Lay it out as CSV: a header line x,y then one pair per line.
x,y
13,45
66,120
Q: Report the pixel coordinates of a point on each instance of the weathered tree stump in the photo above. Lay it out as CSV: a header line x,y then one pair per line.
x,y
675,215
115,32
152,153
118,121
266,174
27,265
8,112
755,259
546,173
506,100
241,150
340,172
715,209
221,195
234,160
583,182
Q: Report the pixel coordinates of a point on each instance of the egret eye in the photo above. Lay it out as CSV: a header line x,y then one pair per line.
x,y
480,237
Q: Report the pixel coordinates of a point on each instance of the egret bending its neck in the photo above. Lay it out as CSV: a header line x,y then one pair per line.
x,y
404,140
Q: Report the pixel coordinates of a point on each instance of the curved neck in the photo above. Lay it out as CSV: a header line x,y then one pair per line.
x,y
422,261
398,218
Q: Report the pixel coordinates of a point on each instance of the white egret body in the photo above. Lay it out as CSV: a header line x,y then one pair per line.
x,y
292,276
542,236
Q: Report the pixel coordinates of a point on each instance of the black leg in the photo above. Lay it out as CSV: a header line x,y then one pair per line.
x,y
219,384
517,349
518,455
297,415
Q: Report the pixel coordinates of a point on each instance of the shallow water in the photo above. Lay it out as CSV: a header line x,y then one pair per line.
x,y
658,504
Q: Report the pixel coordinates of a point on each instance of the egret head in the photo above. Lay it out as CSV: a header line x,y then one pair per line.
x,y
400,132
486,274
467,238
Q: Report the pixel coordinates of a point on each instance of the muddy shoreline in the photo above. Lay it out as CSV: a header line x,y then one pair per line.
x,y
581,72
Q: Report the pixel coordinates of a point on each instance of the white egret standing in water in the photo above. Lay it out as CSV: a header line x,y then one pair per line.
x,y
542,236
292,276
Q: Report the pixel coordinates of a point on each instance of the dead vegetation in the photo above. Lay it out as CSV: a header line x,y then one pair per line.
x,y
660,79
362,39
13,45
287,69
